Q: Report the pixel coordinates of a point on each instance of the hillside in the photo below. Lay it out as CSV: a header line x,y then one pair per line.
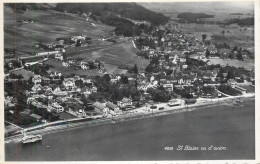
x,y
128,10
31,26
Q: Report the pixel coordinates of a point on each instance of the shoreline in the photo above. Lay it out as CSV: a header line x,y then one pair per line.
x,y
130,117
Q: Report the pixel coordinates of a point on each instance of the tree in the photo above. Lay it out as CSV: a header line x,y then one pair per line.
x,y
207,53
239,55
204,36
135,69
124,79
235,48
106,78
231,74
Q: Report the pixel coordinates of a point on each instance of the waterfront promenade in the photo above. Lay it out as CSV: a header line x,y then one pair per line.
x,y
139,113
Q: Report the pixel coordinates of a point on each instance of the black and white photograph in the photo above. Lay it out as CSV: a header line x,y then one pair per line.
x,y
129,81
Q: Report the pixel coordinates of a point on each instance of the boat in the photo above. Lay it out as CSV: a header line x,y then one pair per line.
x,y
174,103
31,138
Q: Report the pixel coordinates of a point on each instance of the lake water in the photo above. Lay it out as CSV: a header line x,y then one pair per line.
x,y
146,139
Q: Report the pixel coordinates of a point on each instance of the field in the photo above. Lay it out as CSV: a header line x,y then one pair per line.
x,y
114,58
248,88
247,63
57,66
122,55
235,37
47,26
221,12
26,74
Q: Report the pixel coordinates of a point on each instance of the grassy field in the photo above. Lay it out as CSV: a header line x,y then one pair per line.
x,y
235,37
57,66
47,26
247,63
121,55
248,88
26,74
113,57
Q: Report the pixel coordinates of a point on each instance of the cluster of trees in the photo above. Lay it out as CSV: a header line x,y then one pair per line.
x,y
15,63
233,72
159,94
19,119
14,76
228,90
143,54
38,69
194,62
67,40
32,6
153,66
224,45
108,13
50,116
193,17
114,92
183,93
128,10
144,42
133,70
16,90
125,27
241,21
208,90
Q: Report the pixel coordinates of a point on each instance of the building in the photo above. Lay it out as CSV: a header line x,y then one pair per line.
x,y
112,106
69,83
59,56
36,117
37,88
232,83
168,87
99,106
37,79
57,107
45,80
49,94
125,102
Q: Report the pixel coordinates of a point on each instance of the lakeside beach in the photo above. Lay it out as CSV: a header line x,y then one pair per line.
x,y
224,123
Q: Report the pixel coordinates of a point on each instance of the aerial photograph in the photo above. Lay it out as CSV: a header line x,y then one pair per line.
x,y
129,81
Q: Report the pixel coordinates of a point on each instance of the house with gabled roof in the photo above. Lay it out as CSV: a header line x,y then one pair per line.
x,y
125,102
49,94
37,88
182,58
112,106
69,83
37,79
99,106
46,80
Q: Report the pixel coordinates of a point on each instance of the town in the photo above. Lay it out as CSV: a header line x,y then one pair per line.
x,y
129,81
179,69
